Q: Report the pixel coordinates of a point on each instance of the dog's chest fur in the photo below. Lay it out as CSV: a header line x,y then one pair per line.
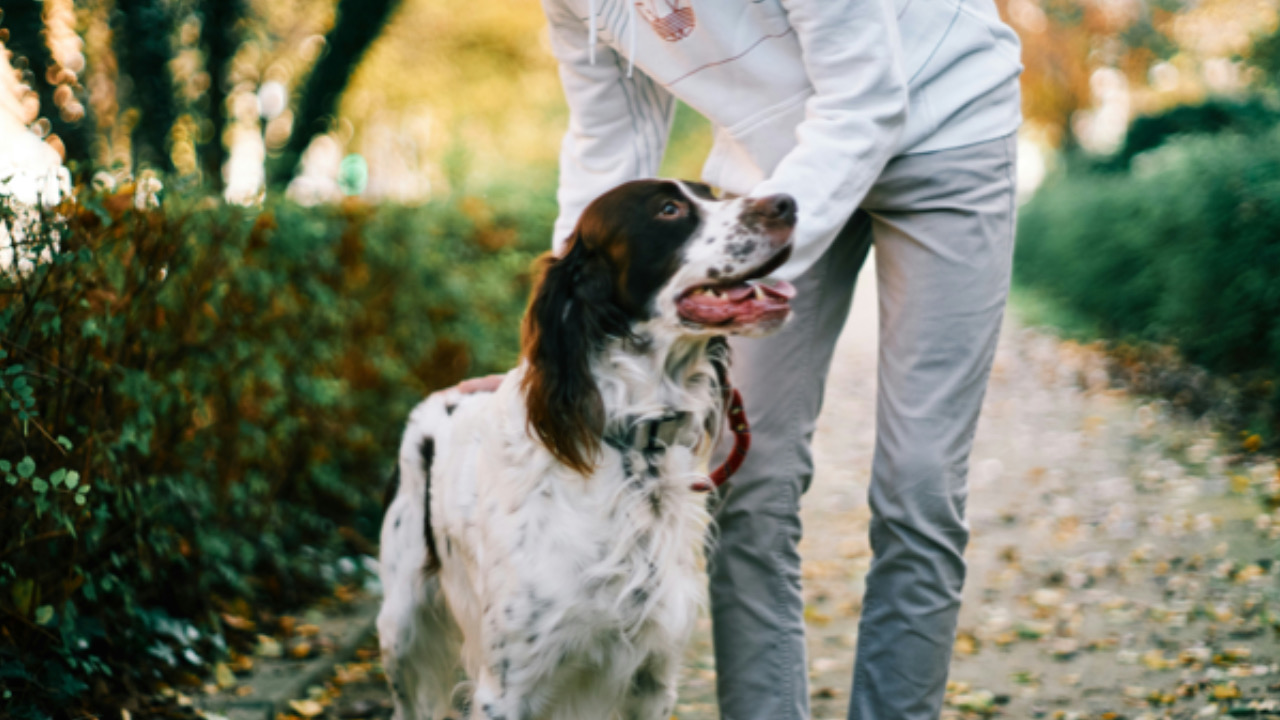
x,y
544,567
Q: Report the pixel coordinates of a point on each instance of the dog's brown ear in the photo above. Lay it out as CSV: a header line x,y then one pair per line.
x,y
572,314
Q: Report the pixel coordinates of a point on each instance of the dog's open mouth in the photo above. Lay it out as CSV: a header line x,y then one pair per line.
x,y
742,300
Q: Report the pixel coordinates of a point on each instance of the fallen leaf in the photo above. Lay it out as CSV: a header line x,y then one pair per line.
x,y
826,693
224,677
241,663
1225,691
269,647
979,701
238,623
306,708
815,616
966,644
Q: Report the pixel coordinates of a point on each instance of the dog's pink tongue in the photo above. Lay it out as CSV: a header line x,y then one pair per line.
x,y
738,304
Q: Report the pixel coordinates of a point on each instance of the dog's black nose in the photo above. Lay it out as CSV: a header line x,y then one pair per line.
x,y
779,207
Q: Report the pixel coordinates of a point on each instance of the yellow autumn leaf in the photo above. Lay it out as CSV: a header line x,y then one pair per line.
x,y
224,677
306,708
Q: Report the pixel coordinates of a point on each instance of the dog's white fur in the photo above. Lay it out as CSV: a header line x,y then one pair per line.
x,y
559,595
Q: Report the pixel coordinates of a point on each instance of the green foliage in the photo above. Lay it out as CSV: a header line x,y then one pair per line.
x,y
1250,116
1183,250
202,405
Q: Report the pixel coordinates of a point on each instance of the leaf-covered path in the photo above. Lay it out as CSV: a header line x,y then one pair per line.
x,y
1120,566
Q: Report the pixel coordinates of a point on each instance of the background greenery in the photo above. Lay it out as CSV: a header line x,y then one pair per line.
x,y
207,402
1182,250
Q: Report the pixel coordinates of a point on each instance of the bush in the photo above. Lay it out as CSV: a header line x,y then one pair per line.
x,y
1249,116
201,408
1184,250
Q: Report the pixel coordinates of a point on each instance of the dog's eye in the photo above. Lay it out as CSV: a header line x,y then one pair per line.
x,y
671,209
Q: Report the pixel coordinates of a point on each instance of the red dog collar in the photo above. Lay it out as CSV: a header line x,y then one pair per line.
x,y
741,429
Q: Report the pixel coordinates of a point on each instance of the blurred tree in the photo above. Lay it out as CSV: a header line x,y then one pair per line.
x,y
220,34
1065,41
23,26
357,24
142,37
1266,57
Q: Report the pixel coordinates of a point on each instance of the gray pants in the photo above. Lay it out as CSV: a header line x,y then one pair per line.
x,y
942,224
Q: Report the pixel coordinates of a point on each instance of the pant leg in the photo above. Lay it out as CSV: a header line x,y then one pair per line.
x,y
943,226
756,606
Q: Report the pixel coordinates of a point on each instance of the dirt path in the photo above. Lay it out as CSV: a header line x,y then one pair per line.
x,y
1118,565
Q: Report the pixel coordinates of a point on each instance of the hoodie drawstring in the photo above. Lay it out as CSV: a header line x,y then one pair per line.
x,y
631,34
631,38
591,31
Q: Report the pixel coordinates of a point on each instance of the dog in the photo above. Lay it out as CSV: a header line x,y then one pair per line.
x,y
546,537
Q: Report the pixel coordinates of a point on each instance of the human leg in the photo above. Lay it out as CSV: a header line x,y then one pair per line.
x,y
943,228
756,606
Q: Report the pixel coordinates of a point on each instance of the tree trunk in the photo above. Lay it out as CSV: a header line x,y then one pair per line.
x,y
355,27
221,37
24,20
143,30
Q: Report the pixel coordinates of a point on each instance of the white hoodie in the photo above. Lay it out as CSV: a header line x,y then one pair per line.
x,y
807,97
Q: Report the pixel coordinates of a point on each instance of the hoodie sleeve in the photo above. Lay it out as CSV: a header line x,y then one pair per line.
x,y
618,125
853,56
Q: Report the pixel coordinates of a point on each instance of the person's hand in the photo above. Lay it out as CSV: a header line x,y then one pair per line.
x,y
488,383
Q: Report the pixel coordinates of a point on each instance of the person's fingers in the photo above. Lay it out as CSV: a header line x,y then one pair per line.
x,y
488,383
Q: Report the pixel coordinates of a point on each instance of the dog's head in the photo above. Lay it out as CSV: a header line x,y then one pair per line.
x,y
663,256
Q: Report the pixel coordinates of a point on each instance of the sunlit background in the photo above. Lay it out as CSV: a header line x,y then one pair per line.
x,y
449,90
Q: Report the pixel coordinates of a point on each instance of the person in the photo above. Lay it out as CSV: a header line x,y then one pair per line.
x,y
890,122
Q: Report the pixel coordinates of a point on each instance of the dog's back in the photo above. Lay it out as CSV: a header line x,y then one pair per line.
x,y
420,640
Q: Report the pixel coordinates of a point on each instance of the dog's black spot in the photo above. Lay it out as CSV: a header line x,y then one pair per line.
x,y
397,523
428,451
713,273
393,487
449,408
741,250
538,607
533,638
639,596
503,668
655,502
491,713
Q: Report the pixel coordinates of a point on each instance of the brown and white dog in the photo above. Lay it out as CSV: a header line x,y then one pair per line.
x,y
545,537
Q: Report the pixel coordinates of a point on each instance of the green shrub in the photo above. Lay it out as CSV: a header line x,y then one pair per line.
x,y
1248,116
200,408
1183,250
